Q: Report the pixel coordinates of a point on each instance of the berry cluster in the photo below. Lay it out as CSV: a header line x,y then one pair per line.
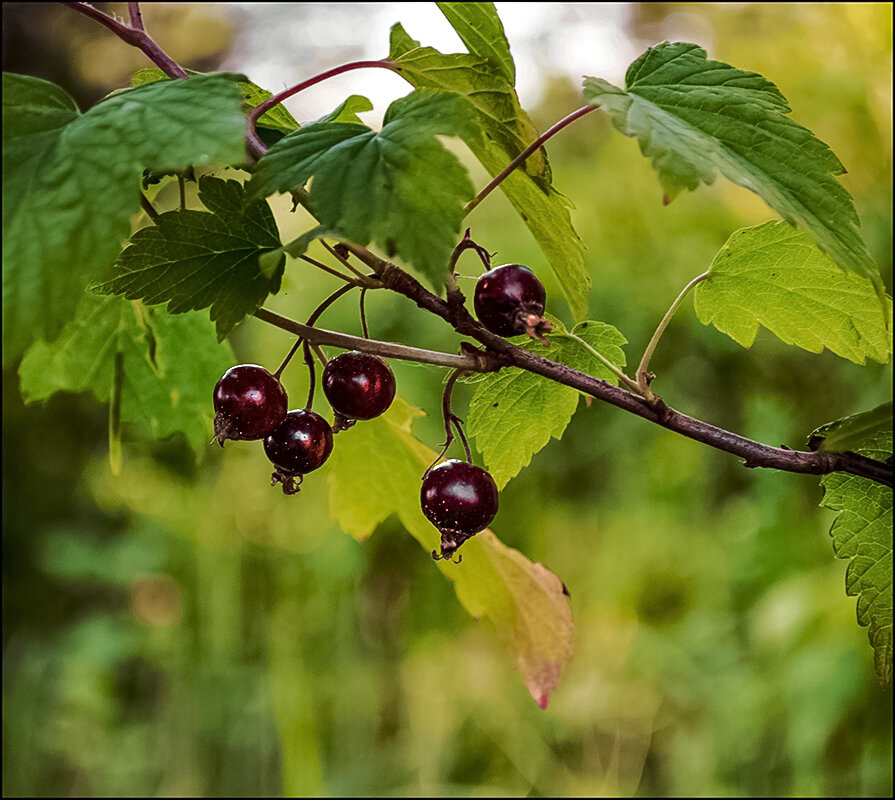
x,y
250,403
457,497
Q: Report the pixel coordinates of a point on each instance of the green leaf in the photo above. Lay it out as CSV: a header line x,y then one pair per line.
x,y
163,367
143,77
399,188
773,275
271,262
545,213
359,499
70,183
848,433
193,259
481,30
349,110
514,413
486,89
862,533
277,118
695,117
524,600
508,131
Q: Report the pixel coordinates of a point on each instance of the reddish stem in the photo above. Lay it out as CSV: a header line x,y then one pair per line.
x,y
133,36
535,145
136,16
258,147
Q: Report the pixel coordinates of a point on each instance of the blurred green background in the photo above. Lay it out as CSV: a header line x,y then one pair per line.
x,y
183,629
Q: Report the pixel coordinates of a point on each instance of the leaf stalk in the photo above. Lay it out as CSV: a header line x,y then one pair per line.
x,y
643,376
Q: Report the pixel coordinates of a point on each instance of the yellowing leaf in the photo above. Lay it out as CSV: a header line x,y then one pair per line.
x,y
527,604
376,470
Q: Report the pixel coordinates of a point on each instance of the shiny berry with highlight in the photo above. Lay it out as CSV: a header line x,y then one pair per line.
x,y
358,385
249,403
509,300
460,499
301,443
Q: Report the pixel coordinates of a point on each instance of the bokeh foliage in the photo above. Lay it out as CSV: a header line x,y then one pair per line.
x,y
185,629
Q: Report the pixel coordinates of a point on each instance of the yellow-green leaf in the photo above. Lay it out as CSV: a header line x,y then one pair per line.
x,y
376,470
774,275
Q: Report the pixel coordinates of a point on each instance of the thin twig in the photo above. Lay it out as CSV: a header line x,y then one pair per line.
x,y
148,207
343,261
402,352
451,422
631,384
330,270
535,145
312,378
363,314
315,315
254,142
136,16
137,37
288,358
466,243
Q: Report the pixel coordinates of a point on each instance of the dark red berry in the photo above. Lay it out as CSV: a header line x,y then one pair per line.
x,y
358,385
300,443
249,403
459,499
509,300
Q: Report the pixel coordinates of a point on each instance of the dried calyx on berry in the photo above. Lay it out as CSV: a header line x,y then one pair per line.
x,y
460,499
358,386
299,444
509,300
249,403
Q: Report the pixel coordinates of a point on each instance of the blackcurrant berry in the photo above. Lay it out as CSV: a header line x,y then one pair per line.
x,y
459,499
249,403
358,385
300,443
509,300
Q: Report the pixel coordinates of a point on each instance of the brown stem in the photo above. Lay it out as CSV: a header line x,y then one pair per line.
x,y
754,454
148,207
477,362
